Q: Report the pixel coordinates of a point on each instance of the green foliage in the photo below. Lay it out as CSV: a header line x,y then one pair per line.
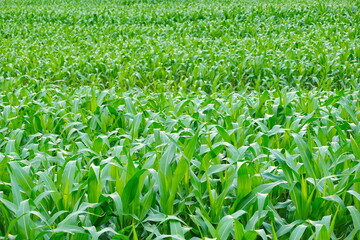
x,y
152,119
180,45
189,166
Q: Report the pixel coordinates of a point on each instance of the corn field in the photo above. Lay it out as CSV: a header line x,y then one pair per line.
x,y
169,119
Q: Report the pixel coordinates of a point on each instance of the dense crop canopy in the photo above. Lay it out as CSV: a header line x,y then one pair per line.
x,y
92,162
179,120
181,45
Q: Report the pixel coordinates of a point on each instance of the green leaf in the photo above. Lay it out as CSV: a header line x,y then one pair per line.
x,y
355,215
131,188
225,227
298,232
